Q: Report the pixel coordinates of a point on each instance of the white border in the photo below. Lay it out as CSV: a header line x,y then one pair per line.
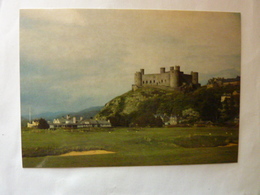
x,y
236,178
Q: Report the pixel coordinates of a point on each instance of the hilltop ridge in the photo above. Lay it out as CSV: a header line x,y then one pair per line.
x,y
147,104
130,101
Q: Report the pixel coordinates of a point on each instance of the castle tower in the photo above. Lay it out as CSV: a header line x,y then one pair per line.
x,y
195,78
175,77
162,70
138,79
142,71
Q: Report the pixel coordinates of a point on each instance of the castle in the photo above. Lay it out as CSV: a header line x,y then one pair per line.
x,y
173,79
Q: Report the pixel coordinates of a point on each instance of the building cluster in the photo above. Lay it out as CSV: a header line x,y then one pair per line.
x,y
167,120
220,82
72,122
33,123
227,97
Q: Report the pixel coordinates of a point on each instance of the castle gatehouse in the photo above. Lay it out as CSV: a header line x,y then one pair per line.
x,y
174,79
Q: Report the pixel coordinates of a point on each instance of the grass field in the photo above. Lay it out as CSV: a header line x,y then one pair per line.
x,y
132,146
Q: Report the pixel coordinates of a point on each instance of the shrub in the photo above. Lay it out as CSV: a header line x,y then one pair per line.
x,y
43,124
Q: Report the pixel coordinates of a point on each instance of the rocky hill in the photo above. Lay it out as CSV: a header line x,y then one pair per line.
x,y
132,102
146,105
126,103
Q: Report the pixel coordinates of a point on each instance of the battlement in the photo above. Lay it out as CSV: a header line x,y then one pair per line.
x,y
174,79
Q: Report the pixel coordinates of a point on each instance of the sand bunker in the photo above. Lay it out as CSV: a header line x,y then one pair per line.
x,y
229,145
90,152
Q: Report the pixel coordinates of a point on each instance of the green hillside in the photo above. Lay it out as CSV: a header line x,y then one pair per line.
x,y
146,106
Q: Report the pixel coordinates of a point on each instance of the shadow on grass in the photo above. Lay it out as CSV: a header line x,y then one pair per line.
x,y
199,141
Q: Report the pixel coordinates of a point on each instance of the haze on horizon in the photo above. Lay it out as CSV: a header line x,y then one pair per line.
x,y
72,59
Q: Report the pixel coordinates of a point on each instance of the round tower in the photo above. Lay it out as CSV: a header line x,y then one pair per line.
x,y
195,78
138,78
175,77
142,71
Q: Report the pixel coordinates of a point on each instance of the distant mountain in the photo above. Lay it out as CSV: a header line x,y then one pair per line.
x,y
45,115
227,73
49,116
87,113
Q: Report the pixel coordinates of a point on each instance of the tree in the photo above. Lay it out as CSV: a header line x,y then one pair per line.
x,y
148,119
158,122
207,103
190,116
181,102
118,120
43,124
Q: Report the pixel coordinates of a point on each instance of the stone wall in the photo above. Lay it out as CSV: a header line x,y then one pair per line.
x,y
173,78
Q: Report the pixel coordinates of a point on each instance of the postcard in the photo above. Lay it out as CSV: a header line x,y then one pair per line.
x,y
115,87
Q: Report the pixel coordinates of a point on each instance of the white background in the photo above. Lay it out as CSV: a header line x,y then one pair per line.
x,y
235,178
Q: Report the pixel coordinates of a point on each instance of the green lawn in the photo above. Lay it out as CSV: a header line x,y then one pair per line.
x,y
132,147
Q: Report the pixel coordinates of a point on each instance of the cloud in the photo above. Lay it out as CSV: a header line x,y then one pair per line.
x,y
52,17
74,55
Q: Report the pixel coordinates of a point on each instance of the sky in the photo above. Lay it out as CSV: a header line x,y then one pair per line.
x,y
72,59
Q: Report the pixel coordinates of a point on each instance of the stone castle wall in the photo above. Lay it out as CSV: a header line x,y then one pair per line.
x,y
173,78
